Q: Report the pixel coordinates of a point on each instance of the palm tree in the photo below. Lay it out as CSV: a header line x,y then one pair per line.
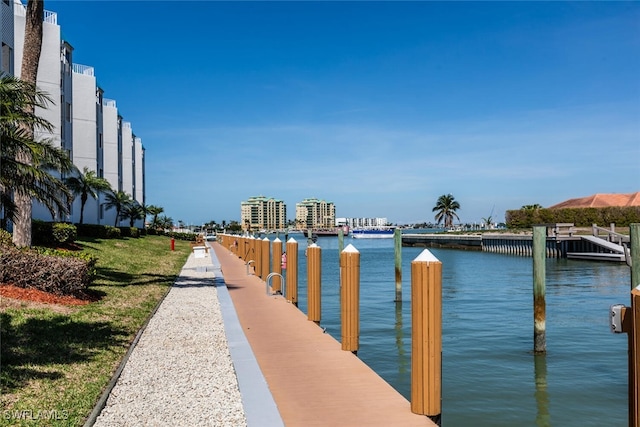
x,y
85,184
445,209
132,211
27,164
117,200
533,207
165,222
29,73
488,221
154,211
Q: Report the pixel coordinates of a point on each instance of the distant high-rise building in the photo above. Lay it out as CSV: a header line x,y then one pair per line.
x,y
260,212
315,213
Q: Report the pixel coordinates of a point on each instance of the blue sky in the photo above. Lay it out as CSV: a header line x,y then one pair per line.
x,y
379,107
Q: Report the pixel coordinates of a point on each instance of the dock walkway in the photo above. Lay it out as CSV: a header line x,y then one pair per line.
x,y
312,380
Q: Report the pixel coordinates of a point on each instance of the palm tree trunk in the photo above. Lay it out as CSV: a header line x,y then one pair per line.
x,y
29,73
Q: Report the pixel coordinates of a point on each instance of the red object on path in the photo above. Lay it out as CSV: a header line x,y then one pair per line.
x,y
173,244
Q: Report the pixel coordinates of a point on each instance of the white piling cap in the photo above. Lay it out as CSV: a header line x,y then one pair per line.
x,y
265,238
313,245
351,248
277,239
426,256
292,240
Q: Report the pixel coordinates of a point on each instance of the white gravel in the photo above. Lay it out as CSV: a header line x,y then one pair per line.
x,y
180,373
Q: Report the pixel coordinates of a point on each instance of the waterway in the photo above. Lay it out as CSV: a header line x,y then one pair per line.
x,y
490,376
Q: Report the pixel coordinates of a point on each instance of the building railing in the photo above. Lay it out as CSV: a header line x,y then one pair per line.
x,y
20,9
109,103
83,69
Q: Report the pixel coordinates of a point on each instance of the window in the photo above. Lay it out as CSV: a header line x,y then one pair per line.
x,y
6,55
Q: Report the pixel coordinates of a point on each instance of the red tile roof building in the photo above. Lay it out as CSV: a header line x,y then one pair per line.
x,y
601,201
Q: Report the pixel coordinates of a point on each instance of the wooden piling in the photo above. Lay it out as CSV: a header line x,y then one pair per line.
x,y
426,336
350,298
314,282
634,359
276,265
397,236
292,272
265,250
257,250
634,332
539,289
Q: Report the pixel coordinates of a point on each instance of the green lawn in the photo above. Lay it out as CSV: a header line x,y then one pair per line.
x,y
56,360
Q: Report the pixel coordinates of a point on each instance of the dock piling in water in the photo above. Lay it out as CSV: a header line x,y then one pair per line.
x,y
539,289
397,236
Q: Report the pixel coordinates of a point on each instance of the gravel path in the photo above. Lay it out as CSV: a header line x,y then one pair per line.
x,y
180,372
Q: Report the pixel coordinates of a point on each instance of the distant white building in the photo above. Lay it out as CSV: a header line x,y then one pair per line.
x,y
366,222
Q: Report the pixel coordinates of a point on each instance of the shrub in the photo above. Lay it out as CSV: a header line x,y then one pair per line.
x,y
98,231
64,233
41,232
129,232
5,238
581,217
91,260
57,275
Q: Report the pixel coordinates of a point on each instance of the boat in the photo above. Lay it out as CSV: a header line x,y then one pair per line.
x,y
324,232
373,232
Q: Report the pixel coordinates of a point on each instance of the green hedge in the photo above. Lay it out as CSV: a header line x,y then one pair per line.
x,y
580,217
129,231
52,233
99,231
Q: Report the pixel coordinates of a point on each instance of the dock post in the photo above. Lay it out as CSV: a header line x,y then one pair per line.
x,y
350,298
292,272
397,236
426,336
634,333
276,265
539,290
257,245
266,255
314,283
634,359
634,244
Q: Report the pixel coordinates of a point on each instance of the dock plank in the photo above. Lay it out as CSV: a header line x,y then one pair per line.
x,y
312,380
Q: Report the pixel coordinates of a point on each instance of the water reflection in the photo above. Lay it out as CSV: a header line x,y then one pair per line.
x,y
543,418
403,360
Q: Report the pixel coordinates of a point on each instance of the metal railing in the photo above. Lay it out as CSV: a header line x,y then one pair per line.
x,y
83,69
611,235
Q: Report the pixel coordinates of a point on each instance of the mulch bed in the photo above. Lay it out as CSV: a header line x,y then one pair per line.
x,y
11,291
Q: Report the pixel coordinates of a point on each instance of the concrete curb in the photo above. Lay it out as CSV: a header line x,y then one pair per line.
x,y
257,400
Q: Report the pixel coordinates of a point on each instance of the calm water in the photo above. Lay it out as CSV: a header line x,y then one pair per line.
x,y
490,376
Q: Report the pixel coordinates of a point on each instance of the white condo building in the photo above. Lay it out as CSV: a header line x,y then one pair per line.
x,y
85,124
315,213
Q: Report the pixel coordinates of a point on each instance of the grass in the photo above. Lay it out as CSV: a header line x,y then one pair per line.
x,y
56,361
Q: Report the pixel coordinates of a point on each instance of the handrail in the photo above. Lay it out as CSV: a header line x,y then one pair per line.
x,y
612,236
247,264
268,283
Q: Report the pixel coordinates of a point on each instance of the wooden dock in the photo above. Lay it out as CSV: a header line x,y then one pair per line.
x,y
312,380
